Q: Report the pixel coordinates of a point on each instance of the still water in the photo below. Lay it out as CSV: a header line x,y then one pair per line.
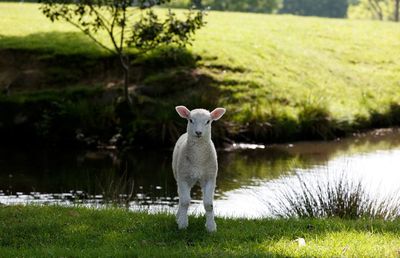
x,y
143,180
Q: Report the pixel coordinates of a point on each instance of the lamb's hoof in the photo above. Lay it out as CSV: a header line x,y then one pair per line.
x,y
182,227
211,226
182,224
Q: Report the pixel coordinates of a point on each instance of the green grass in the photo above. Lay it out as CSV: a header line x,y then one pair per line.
x,y
23,26
51,231
280,77
291,64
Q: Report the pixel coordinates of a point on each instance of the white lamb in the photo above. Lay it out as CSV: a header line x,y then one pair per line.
x,y
195,161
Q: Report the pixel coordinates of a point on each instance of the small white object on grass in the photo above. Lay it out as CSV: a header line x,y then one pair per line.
x,y
301,242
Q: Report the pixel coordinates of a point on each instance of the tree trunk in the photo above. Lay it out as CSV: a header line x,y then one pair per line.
x,y
198,4
125,67
376,8
396,10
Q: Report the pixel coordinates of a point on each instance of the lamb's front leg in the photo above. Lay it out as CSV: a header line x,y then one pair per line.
x,y
184,201
208,188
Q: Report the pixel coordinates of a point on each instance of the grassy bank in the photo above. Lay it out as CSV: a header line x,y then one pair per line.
x,y
280,77
78,232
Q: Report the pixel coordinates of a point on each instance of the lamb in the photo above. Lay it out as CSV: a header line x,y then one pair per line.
x,y
194,160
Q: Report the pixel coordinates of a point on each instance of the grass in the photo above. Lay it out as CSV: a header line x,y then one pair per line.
x,y
52,231
280,77
326,197
24,20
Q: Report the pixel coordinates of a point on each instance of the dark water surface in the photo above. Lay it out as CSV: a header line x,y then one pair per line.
x,y
142,179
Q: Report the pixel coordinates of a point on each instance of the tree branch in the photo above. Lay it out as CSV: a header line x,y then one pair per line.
x,y
123,27
91,36
111,34
110,30
99,15
396,10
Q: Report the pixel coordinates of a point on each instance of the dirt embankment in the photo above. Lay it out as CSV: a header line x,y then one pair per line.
x,y
28,71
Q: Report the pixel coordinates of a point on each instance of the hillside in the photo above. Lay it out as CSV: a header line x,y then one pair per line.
x,y
280,77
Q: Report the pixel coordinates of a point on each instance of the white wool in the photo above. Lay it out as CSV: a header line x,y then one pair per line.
x,y
195,161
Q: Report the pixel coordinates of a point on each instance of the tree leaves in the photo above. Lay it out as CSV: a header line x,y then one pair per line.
x,y
111,16
150,31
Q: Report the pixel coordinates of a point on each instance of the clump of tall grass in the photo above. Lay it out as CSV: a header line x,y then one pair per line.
x,y
326,197
119,190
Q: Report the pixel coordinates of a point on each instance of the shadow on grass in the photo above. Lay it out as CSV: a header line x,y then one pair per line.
x,y
64,59
46,44
53,60
389,118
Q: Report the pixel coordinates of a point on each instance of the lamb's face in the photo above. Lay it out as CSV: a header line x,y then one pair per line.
x,y
199,120
199,123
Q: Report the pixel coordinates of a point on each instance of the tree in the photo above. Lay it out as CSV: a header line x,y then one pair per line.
x,y
198,4
376,9
114,18
259,6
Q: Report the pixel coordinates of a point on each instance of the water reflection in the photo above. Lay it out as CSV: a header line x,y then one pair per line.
x,y
143,179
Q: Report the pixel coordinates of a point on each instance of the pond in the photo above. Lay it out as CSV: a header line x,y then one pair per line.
x,y
143,180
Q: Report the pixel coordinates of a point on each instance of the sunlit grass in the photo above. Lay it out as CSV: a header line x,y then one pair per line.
x,y
78,232
347,67
23,26
345,243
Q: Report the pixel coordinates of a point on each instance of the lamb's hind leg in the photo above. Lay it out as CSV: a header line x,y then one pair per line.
x,y
208,188
184,201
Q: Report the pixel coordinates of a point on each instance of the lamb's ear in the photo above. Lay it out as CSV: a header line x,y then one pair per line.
x,y
217,113
183,111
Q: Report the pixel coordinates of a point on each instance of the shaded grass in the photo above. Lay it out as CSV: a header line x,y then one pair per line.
x,y
55,231
280,77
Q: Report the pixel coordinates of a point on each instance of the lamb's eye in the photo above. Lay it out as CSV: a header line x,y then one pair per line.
x,y
208,122
191,121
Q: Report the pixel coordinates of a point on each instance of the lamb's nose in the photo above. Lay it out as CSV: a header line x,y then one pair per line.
x,y
198,133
